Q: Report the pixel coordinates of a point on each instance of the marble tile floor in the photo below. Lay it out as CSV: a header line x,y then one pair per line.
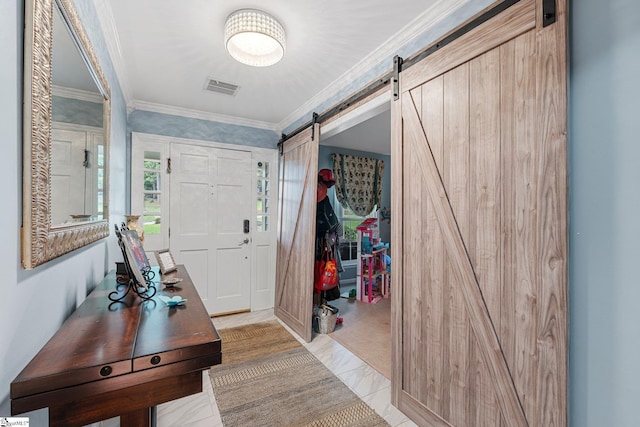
x,y
200,410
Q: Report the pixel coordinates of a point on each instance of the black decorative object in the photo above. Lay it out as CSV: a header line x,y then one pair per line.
x,y
139,277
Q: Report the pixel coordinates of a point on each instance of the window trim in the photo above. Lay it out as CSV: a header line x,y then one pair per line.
x,y
339,211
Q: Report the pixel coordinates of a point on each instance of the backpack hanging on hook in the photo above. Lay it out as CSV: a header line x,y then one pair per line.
x,y
326,271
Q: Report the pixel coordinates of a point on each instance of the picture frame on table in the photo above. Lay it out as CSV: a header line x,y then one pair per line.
x,y
135,256
165,261
139,255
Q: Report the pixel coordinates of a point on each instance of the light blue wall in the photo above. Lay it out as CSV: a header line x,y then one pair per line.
x,y
604,135
34,303
67,110
204,130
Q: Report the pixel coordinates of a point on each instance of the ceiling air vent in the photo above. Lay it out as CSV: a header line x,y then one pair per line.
x,y
221,87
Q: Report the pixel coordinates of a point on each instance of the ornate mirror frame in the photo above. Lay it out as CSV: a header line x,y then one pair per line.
x,y
40,241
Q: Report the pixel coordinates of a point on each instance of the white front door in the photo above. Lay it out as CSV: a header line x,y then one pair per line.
x,y
210,201
232,191
68,182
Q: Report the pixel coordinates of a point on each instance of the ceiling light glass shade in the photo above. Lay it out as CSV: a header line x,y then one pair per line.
x,y
254,38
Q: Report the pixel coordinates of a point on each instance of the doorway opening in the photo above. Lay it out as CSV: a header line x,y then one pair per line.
x,y
366,326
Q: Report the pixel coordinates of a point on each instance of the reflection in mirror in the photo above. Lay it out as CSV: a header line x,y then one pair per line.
x,y
77,149
67,114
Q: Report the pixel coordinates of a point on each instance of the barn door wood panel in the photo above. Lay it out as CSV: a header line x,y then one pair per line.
x,y
479,200
296,231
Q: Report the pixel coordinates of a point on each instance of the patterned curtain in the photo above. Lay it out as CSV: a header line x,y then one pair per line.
x,y
358,182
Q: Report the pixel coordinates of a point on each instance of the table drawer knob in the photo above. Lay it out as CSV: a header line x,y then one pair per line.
x,y
155,360
106,371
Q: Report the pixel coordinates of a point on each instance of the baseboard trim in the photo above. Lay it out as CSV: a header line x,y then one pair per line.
x,y
228,313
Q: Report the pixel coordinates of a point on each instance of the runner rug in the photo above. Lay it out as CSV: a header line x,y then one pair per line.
x,y
267,378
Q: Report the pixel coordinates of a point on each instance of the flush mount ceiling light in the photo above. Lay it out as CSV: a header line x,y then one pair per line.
x,y
254,37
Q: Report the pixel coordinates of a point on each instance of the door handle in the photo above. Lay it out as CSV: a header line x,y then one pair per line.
x,y
244,242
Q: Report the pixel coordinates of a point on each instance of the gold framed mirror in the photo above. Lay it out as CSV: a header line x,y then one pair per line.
x,y
66,129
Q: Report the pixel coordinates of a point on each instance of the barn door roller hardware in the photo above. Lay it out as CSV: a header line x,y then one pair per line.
x,y
283,138
397,68
548,12
314,120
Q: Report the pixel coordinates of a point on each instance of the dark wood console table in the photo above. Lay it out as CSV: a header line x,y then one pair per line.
x,y
120,359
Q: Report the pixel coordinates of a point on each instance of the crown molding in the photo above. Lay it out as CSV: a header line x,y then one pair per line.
x,y
421,24
203,115
110,31
81,95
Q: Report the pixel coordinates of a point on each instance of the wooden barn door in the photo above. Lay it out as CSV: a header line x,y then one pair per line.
x,y
296,231
479,211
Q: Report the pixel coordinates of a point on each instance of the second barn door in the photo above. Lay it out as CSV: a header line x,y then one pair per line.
x,y
479,281
296,231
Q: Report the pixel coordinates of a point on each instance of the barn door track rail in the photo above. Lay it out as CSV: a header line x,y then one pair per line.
x,y
549,17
